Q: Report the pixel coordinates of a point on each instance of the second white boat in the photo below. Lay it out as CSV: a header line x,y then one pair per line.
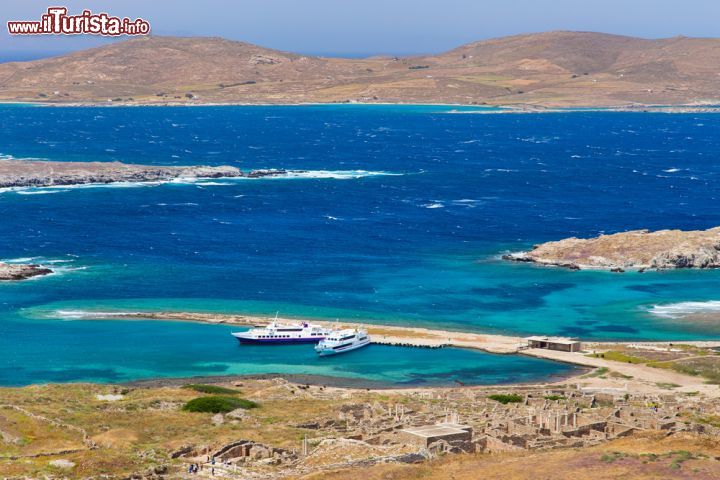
x,y
341,341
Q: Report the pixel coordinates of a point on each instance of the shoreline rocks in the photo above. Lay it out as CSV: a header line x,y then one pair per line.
x,y
634,250
32,173
14,272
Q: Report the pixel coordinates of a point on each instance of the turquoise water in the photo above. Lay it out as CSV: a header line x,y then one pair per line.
x,y
119,351
401,218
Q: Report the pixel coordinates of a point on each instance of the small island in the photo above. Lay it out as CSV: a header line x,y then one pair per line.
x,y
637,250
31,173
10,272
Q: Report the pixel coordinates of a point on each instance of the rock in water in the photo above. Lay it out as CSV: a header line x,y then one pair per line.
x,y
22,271
638,249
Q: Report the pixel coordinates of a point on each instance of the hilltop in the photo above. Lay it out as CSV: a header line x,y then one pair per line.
x,y
545,70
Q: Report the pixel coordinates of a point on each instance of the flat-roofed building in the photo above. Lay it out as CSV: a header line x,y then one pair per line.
x,y
428,434
555,343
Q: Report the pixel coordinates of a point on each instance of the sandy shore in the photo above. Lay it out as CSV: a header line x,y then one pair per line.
x,y
382,334
627,376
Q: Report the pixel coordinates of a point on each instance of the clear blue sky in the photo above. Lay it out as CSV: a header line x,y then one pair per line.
x,y
368,27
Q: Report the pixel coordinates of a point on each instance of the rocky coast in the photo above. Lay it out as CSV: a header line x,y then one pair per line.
x,y
637,250
37,173
22,271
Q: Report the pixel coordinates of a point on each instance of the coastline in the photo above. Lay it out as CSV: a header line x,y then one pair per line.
x,y
633,376
383,334
344,383
637,250
13,272
18,174
479,109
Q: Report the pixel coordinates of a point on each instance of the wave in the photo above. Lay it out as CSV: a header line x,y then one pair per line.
x,y
434,205
39,192
19,260
62,270
84,314
65,188
683,309
333,174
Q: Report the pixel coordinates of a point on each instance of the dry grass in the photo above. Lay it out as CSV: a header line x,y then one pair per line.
x,y
549,69
139,430
652,457
636,249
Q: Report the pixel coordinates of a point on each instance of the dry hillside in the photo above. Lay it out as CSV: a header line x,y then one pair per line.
x,y
546,69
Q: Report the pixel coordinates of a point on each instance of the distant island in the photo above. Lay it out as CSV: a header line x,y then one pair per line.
x,y
28,173
10,272
639,250
528,72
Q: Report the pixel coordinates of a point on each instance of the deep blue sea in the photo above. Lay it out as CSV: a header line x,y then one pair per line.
x,y
401,218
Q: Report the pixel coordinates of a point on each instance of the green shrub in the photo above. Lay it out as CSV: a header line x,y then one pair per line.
x,y
617,356
611,457
554,398
211,389
218,404
506,398
598,372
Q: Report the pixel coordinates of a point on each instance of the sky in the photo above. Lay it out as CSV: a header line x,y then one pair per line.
x,y
368,27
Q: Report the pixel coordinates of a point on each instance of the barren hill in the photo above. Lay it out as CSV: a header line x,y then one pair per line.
x,y
639,249
545,69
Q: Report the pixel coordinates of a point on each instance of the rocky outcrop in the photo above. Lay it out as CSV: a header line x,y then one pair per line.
x,y
22,271
639,250
26,173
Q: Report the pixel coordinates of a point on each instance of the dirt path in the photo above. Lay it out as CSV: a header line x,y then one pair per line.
x,y
643,378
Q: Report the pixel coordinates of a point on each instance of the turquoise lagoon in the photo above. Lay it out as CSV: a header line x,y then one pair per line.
x,y
401,217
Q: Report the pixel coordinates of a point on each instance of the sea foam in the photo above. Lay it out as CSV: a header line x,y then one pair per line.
x,y
334,174
683,309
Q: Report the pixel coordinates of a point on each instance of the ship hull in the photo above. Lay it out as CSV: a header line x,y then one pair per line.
x,y
326,352
277,341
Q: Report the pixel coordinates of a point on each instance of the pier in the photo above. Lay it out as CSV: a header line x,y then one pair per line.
x,y
643,378
405,343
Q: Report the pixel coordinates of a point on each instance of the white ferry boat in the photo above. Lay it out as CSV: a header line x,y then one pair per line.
x,y
341,341
283,333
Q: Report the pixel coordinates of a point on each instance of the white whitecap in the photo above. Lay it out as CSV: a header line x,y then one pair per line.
x,y
83,314
40,191
683,309
18,260
333,174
